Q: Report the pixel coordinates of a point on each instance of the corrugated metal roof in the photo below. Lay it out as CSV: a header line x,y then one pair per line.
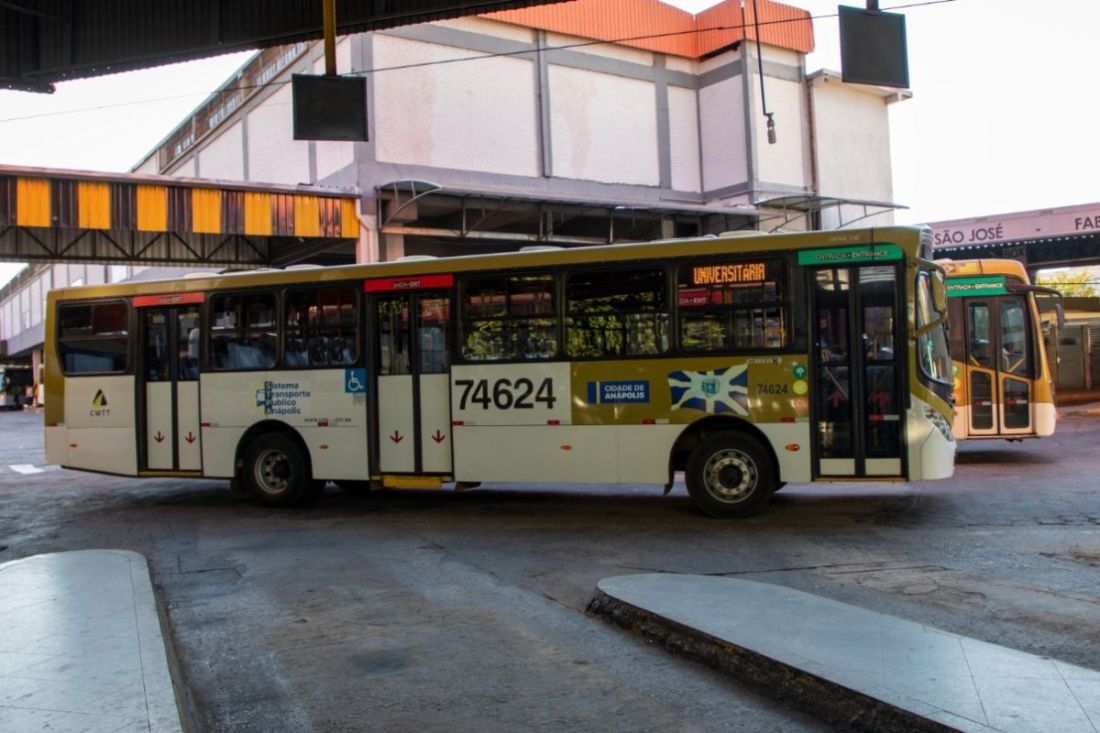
x,y
41,43
656,26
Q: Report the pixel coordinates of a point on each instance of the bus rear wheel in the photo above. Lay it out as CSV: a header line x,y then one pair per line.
x,y
730,474
276,470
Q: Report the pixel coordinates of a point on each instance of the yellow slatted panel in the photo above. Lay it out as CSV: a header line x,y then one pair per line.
x,y
206,210
93,205
152,208
32,202
349,222
257,213
307,216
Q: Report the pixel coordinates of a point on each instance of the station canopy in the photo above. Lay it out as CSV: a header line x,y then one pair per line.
x,y
45,41
53,215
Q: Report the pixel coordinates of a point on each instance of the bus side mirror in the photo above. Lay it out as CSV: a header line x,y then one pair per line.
x,y
939,292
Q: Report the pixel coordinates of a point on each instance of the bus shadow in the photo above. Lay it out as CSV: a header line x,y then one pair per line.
x,y
1007,455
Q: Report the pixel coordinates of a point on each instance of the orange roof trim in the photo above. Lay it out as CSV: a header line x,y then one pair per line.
x,y
654,26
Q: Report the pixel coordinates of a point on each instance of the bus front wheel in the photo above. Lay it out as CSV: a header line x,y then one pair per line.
x,y
276,470
730,474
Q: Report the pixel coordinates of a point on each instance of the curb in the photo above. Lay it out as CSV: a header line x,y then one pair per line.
x,y
835,704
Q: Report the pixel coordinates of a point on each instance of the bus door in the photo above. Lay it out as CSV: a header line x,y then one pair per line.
x,y
412,341
168,383
857,358
999,365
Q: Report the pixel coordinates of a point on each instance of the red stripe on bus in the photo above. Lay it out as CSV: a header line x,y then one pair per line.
x,y
553,422
204,424
786,419
649,421
417,282
457,423
146,301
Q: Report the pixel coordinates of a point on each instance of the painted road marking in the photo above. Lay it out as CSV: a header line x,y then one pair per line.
x,y
25,468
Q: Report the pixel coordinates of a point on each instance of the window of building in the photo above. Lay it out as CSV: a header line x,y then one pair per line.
x,y
509,317
733,306
243,331
320,327
93,338
614,313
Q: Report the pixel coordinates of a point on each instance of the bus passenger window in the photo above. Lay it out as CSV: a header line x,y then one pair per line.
x,y
732,306
509,317
243,331
616,313
320,327
93,338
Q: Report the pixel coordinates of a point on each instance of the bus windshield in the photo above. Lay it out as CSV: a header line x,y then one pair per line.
x,y
932,351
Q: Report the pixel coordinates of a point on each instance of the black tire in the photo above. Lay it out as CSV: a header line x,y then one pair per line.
x,y
276,471
730,474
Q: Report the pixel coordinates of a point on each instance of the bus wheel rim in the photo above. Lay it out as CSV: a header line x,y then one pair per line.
x,y
730,475
273,471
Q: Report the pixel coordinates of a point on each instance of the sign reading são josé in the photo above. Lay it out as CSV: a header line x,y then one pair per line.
x,y
1026,225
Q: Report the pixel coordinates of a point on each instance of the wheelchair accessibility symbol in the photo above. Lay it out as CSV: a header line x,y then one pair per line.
x,y
355,381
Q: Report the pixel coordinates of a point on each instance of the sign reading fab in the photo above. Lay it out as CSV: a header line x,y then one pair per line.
x,y
282,398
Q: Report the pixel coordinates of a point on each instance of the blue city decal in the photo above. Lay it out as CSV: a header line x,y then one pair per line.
x,y
716,391
620,392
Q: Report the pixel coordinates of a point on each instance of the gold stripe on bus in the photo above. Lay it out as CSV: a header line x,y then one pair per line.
x,y
152,208
307,216
349,222
206,211
93,205
257,213
32,202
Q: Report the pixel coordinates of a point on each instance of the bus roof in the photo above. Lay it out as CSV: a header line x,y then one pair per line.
x,y
908,238
967,268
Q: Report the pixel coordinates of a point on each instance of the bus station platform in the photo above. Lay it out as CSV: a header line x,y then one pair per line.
x,y
81,646
855,668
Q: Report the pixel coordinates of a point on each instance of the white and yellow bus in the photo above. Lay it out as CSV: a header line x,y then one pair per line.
x,y
1003,385
745,362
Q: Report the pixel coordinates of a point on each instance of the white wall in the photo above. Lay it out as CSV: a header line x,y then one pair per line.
x,y
683,114
576,44
722,120
223,157
787,161
472,115
274,156
603,127
484,26
852,142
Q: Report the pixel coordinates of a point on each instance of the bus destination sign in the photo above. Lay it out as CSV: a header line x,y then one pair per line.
x,y
741,272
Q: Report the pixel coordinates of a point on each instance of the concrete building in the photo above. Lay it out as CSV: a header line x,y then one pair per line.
x,y
586,122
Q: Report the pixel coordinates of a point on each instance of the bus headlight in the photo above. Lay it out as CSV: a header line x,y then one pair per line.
x,y
940,422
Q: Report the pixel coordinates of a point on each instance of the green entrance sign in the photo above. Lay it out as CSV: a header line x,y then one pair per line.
x,y
850,255
959,287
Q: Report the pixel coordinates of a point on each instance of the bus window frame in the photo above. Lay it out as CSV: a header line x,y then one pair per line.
x,y
356,287
458,314
208,338
130,325
566,274
786,304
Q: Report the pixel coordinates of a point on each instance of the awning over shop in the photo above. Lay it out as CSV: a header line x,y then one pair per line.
x,y
72,215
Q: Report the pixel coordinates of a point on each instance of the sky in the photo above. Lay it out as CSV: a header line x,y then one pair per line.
x,y
1004,108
